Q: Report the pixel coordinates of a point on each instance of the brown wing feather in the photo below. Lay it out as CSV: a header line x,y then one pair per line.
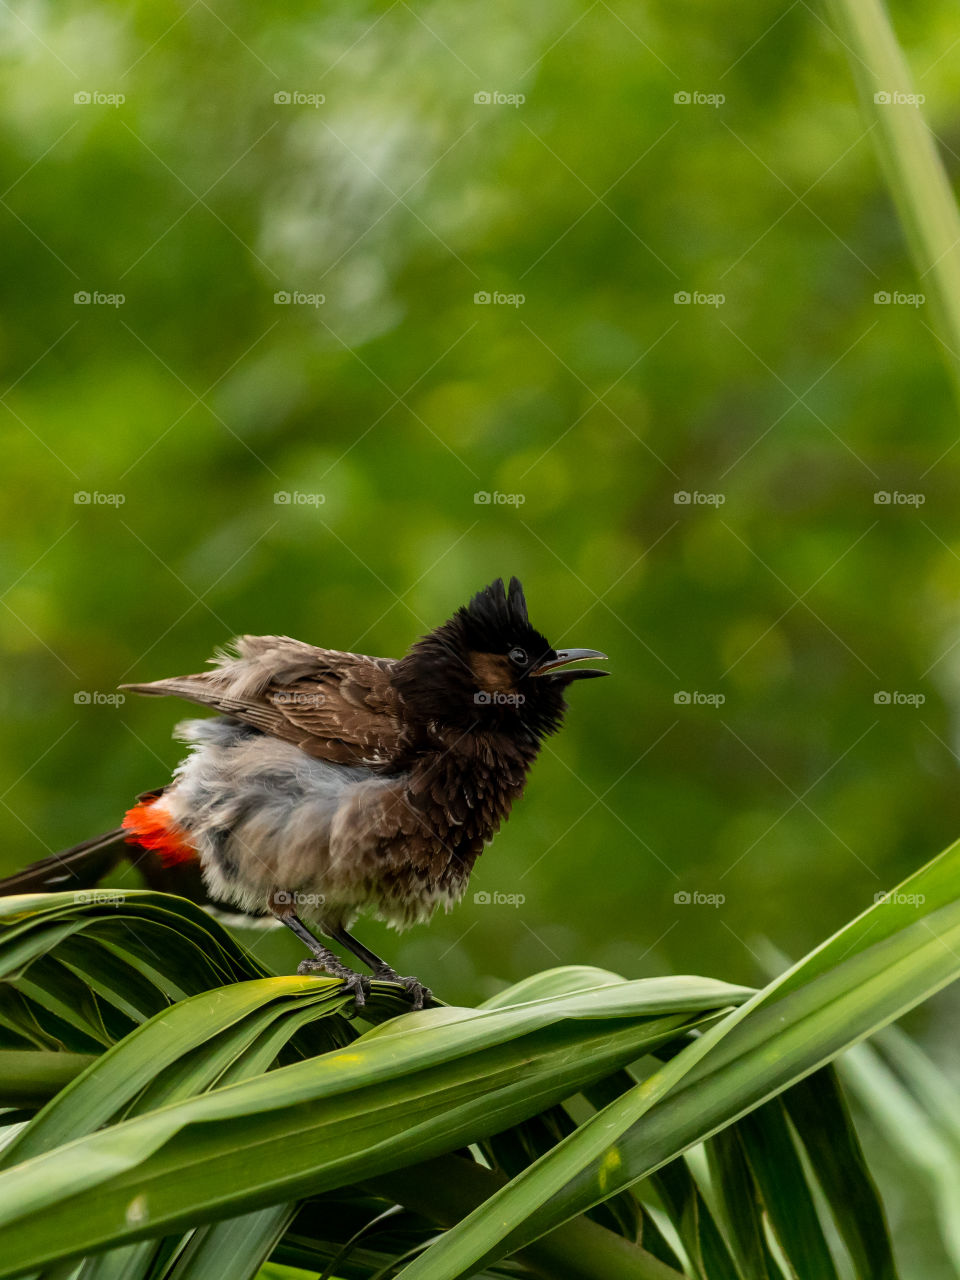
x,y
335,706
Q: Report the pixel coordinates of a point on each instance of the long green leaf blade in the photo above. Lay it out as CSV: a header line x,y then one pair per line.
x,y
914,171
897,953
426,1083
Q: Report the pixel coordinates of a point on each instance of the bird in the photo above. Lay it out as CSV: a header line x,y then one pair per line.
x,y
331,785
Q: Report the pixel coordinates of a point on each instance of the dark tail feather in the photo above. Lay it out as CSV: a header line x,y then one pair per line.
x,y
78,868
92,861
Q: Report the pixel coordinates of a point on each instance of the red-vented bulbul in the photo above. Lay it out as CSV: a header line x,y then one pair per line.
x,y
333,784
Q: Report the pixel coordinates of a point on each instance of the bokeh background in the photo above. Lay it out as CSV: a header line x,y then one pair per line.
x,y
303,315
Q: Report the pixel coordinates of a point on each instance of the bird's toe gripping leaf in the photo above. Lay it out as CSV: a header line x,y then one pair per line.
x,y
354,983
419,994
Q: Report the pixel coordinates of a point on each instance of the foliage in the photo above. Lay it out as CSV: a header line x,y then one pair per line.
x,y
203,1118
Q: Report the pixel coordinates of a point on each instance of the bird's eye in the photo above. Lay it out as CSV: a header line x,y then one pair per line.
x,y
519,656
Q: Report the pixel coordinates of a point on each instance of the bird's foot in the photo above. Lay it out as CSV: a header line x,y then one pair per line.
x,y
414,988
355,983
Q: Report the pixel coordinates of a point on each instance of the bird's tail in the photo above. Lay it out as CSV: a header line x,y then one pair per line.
x,y
98,859
81,867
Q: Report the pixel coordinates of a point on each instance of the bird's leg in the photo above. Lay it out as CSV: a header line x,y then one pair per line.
x,y
381,970
324,960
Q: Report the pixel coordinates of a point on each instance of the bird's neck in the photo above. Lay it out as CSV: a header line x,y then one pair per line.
x,y
473,779
469,750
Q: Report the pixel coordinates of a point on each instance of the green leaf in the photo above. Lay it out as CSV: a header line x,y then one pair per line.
x,y
235,1249
150,1052
169,940
894,955
739,1208
130,1262
30,1077
775,1164
425,1083
819,1113
690,1215
563,981
914,170
913,1123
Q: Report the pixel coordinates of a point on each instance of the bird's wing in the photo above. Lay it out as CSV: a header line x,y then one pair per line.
x,y
336,706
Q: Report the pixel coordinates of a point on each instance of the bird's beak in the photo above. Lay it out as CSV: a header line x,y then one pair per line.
x,y
565,656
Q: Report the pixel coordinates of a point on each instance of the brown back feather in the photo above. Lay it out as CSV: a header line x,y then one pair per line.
x,y
335,706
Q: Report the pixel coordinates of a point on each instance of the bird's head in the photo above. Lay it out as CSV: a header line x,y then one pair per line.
x,y
488,668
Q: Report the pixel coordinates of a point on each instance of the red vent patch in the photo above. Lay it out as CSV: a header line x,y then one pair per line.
x,y
150,825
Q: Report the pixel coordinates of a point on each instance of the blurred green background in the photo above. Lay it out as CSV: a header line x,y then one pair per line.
x,y
782,397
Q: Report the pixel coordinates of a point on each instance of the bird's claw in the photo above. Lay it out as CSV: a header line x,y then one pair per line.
x,y
355,983
414,988
359,986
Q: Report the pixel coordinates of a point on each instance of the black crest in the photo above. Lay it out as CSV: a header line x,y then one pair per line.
x,y
496,618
